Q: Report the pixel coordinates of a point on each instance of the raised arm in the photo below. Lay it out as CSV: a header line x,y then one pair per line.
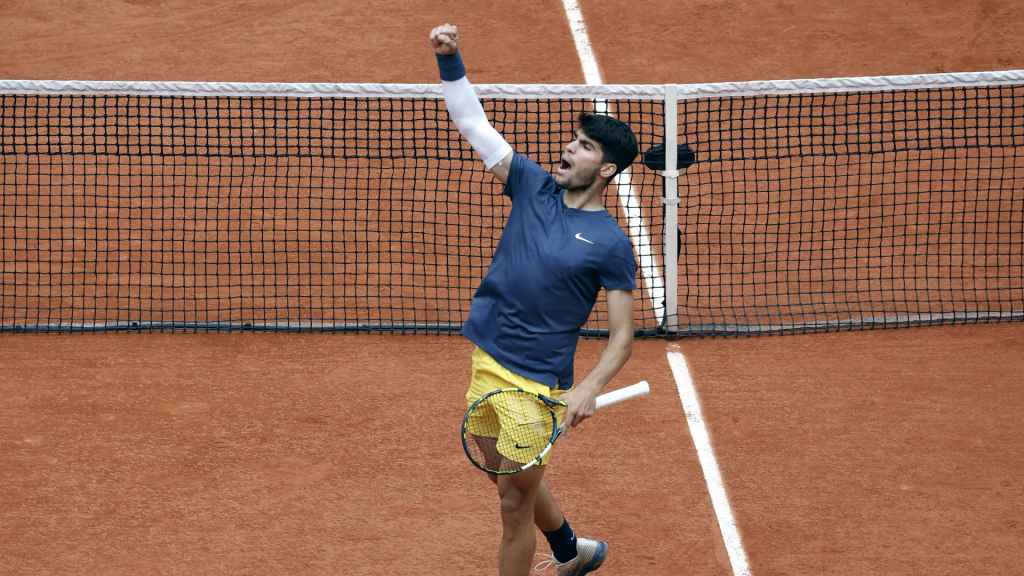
x,y
464,106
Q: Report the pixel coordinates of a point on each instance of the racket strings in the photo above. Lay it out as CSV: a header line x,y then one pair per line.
x,y
507,430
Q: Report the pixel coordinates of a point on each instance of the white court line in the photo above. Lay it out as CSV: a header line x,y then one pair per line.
x,y
624,183
591,73
708,463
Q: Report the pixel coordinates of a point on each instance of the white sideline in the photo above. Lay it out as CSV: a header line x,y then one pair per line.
x,y
624,184
708,463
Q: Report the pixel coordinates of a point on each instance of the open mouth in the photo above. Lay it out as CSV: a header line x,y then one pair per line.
x,y
564,165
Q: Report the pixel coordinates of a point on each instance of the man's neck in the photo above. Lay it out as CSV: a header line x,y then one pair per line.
x,y
588,199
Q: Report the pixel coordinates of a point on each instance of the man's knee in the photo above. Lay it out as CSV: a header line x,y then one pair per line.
x,y
518,492
513,499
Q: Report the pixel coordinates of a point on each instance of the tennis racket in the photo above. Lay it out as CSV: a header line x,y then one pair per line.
x,y
510,430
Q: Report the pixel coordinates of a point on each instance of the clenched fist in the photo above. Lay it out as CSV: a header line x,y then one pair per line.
x,y
445,39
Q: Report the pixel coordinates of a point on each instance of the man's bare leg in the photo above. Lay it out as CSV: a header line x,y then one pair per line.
x,y
518,493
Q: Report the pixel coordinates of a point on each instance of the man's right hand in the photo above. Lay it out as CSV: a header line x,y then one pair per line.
x,y
445,39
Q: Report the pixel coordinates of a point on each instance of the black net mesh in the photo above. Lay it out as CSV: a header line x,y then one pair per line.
x,y
852,210
802,212
269,213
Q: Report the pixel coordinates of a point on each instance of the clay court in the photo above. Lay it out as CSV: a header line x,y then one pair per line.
x,y
887,451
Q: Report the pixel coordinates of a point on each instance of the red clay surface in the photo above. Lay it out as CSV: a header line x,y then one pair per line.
x,y
884,452
890,452
307,454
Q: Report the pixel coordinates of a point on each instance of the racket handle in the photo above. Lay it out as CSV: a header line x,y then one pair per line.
x,y
615,396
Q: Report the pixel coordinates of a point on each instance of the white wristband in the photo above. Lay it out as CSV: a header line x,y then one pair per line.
x,y
468,115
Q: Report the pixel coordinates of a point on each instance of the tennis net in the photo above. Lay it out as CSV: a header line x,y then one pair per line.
x,y
853,203
812,205
269,207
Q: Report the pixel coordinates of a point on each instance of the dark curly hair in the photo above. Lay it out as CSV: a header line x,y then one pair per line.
x,y
615,137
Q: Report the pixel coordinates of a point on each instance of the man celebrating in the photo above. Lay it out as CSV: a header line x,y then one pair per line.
x,y
558,249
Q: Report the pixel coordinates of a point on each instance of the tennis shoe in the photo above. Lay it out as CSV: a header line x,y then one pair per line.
x,y
590,554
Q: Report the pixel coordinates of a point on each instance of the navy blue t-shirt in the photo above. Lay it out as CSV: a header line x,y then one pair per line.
x,y
549,266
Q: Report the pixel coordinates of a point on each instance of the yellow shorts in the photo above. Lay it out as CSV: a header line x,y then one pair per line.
x,y
496,424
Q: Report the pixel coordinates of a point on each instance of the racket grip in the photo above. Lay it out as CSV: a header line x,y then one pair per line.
x,y
615,396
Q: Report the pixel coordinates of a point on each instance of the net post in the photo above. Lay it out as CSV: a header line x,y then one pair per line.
x,y
671,200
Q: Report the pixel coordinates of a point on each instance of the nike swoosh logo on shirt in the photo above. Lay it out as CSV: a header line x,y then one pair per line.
x,y
579,236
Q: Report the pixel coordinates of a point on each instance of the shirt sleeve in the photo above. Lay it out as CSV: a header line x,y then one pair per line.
x,y
619,270
524,176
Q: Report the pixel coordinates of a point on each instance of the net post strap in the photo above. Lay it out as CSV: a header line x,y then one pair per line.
x,y
670,321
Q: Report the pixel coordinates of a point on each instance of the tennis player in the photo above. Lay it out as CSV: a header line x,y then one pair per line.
x,y
558,249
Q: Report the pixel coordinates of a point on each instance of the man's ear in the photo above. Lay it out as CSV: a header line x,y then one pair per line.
x,y
608,170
